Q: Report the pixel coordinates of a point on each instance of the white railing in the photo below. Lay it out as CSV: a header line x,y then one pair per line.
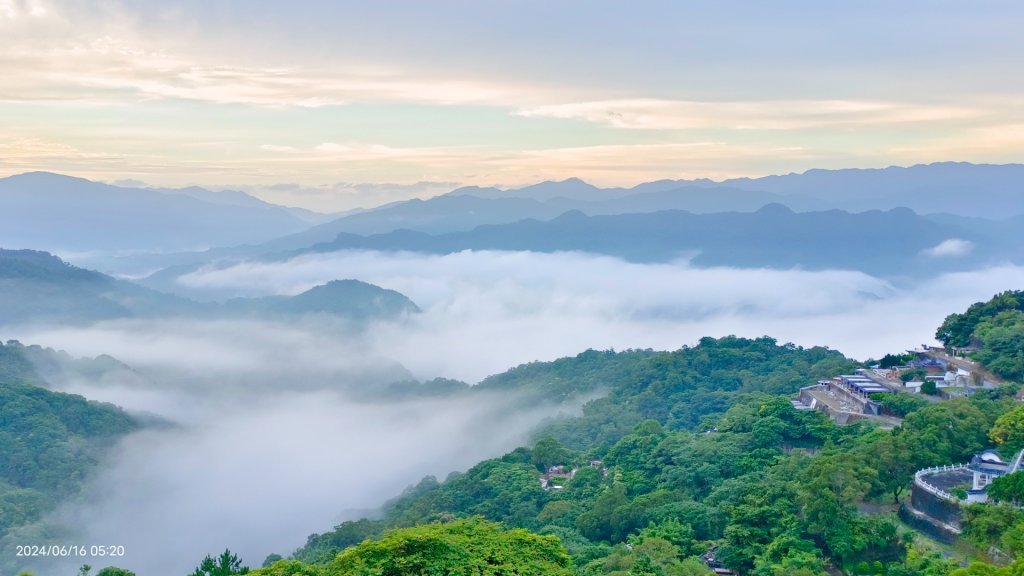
x,y
919,480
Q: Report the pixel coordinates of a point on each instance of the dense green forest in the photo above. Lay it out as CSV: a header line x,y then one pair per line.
x,y
50,442
679,454
996,329
701,449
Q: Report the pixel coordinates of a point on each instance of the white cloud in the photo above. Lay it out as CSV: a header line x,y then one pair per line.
x,y
279,148
485,311
58,60
259,473
267,431
951,248
17,9
268,444
661,114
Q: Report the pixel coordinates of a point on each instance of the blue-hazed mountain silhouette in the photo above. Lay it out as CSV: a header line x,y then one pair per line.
x,y
239,198
38,287
892,243
461,210
990,191
54,212
977,198
979,190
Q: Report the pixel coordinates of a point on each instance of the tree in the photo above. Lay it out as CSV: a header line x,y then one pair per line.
x,y
929,387
603,520
979,569
913,374
692,567
644,566
958,329
673,531
794,564
1009,488
271,559
901,404
226,564
893,458
464,547
946,432
115,571
1008,431
549,452
985,525
291,568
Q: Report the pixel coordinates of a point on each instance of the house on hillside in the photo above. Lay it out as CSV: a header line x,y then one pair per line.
x,y
557,476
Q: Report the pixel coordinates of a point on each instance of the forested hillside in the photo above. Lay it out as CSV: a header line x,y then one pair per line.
x,y
682,460
38,287
995,329
696,450
50,442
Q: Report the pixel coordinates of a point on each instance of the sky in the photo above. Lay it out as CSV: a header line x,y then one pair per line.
x,y
313,103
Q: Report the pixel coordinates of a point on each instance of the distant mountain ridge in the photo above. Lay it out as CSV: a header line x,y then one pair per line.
x,y
894,242
56,212
352,299
980,198
37,287
985,191
979,190
239,198
462,210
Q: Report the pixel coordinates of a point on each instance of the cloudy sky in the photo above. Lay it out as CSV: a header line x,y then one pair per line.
x,y
299,101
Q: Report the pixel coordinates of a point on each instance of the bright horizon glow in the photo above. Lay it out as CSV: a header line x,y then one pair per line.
x,y
316,105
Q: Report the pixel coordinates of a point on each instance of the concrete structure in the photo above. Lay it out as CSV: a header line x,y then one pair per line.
x,y
985,467
936,510
842,404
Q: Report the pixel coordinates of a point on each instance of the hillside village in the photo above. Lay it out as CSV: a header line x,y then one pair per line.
x,y
933,374
928,373
876,393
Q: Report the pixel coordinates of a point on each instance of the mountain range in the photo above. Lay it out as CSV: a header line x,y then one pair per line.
x,y
894,242
39,287
980,191
48,211
135,232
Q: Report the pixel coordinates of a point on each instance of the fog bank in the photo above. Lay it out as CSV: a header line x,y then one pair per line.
x,y
486,311
267,443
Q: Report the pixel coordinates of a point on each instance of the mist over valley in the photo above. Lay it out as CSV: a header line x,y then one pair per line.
x,y
272,388
489,288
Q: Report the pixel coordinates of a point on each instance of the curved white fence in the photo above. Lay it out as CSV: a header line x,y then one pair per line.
x,y
920,481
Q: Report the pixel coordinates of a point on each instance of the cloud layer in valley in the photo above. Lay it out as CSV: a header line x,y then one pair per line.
x,y
265,438
486,311
269,446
